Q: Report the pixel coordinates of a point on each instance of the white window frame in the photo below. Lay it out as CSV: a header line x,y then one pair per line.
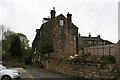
x,y
61,22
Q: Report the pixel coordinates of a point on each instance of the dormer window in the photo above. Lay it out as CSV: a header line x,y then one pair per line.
x,y
61,22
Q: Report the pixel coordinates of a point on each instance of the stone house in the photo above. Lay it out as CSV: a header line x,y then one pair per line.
x,y
89,41
62,32
64,36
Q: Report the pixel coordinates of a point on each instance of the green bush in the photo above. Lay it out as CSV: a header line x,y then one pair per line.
x,y
76,60
88,59
84,58
82,48
108,59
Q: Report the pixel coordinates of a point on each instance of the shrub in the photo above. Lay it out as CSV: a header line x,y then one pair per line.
x,y
76,60
108,59
82,48
84,59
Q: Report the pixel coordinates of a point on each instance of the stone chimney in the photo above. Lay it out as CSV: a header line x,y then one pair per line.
x,y
98,36
89,35
79,35
53,13
69,17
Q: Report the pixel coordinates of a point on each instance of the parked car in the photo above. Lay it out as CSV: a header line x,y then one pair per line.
x,y
8,74
2,63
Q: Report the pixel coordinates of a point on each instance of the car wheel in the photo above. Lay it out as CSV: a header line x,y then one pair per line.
x,y
6,78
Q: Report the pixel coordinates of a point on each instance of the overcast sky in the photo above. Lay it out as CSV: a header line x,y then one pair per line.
x,y
94,16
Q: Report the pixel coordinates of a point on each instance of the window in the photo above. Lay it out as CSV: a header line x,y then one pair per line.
x,y
89,42
61,22
74,37
104,43
100,42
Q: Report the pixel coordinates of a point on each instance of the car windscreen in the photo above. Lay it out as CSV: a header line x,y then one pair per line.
x,y
2,67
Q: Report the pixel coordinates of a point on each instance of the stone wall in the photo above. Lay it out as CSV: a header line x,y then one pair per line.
x,y
81,71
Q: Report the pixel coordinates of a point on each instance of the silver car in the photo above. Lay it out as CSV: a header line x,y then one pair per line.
x,y
8,74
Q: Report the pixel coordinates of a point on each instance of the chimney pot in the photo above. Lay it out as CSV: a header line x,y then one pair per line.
x,y
69,17
53,13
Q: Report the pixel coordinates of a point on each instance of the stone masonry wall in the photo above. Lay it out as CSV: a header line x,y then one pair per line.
x,y
82,71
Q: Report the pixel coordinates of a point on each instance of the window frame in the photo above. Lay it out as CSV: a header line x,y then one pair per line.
x,y
61,22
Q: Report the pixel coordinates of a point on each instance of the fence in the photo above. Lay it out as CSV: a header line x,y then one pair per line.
x,y
110,49
101,50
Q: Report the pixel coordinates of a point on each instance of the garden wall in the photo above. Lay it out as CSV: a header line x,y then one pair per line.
x,y
82,71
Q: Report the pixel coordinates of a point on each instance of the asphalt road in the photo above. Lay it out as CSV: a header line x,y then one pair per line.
x,y
35,74
24,73
44,74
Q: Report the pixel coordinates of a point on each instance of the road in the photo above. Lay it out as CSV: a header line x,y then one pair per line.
x,y
24,73
33,74
37,74
44,74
